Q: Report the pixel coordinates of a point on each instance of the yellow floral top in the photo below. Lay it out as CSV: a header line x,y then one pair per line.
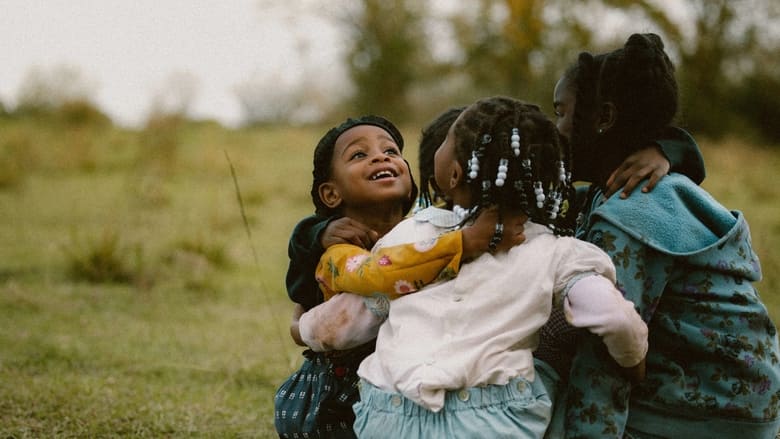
x,y
391,271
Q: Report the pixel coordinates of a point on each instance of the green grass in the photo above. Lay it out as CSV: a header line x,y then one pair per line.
x,y
194,342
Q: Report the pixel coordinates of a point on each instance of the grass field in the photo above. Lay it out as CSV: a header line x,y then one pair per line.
x,y
132,301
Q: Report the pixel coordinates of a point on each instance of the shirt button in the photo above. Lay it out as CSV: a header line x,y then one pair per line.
x,y
464,395
395,400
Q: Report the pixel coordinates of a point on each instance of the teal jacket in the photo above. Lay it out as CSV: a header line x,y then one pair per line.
x,y
713,368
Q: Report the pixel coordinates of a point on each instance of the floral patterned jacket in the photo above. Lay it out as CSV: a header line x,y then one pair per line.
x,y
713,367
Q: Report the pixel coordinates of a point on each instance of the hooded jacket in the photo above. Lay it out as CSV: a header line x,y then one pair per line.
x,y
713,366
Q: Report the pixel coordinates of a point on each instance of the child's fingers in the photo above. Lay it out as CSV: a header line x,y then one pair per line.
x,y
655,177
631,184
618,179
348,231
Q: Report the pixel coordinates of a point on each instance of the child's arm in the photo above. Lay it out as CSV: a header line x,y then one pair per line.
x,y
307,244
676,150
343,322
405,268
394,271
593,302
304,251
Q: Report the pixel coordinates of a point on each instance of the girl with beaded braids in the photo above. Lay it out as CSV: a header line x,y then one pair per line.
x,y
455,358
713,365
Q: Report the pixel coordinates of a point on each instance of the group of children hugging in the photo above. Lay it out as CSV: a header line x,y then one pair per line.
x,y
510,303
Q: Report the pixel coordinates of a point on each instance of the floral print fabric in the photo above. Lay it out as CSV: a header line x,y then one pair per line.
x,y
400,269
713,348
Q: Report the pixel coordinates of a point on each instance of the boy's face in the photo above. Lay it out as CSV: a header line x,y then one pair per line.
x,y
367,169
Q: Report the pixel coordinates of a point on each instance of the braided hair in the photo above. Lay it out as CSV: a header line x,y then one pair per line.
x,y
638,79
432,137
323,157
513,158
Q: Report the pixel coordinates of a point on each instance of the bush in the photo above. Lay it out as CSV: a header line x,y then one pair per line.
x,y
101,260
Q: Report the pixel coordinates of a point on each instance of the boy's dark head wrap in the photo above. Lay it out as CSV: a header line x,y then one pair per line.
x,y
323,154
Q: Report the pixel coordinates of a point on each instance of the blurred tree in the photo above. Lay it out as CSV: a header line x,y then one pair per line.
x,y
59,93
726,50
517,47
387,50
499,39
47,89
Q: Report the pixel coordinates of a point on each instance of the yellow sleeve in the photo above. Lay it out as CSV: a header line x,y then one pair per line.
x,y
392,271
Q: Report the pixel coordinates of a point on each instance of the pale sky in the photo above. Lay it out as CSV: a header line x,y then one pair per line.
x,y
129,50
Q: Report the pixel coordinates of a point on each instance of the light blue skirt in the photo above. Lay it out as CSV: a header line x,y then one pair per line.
x,y
519,409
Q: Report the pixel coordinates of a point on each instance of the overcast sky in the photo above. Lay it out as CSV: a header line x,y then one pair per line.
x,y
128,50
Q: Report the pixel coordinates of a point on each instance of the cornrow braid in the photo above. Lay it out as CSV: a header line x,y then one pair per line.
x,y
535,181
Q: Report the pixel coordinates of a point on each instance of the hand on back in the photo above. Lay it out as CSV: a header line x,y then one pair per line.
x,y
648,162
348,231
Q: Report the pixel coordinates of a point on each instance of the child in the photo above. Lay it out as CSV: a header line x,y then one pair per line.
x,y
471,338
432,137
323,389
359,173
713,367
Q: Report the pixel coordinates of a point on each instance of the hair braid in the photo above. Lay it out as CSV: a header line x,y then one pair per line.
x,y
485,130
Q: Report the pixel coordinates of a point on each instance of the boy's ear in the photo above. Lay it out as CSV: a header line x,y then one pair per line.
x,y
329,194
607,117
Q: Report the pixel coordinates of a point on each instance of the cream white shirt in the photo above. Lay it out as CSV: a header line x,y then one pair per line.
x,y
481,327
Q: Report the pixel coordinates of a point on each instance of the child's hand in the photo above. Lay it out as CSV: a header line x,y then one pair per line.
x,y
647,162
477,236
348,231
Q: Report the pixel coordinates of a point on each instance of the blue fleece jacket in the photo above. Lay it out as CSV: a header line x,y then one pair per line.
x,y
713,368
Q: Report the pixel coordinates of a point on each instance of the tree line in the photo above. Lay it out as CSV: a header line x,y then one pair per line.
x,y
409,60
727,54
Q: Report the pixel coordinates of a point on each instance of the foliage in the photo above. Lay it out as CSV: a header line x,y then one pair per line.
x,y
160,140
49,88
758,105
98,259
387,46
518,47
499,42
